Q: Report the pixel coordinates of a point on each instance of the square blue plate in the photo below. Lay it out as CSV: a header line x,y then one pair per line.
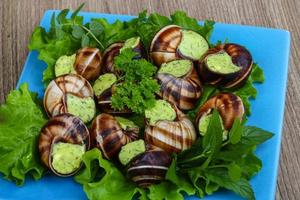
x,y
270,49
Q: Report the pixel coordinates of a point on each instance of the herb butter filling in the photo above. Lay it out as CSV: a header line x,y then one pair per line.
x,y
64,65
66,158
192,45
177,68
221,63
104,82
84,108
162,110
204,122
130,43
125,123
131,150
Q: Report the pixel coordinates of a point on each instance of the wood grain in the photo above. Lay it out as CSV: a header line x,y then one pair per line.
x,y
19,17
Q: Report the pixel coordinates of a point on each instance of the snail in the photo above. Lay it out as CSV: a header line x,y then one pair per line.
x,y
70,94
229,107
88,63
115,49
173,42
168,128
179,83
62,142
149,167
110,133
103,88
226,65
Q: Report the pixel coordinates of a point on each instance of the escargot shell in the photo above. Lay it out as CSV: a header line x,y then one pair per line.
x,y
109,54
55,101
181,91
64,128
228,105
87,63
240,56
172,136
149,167
109,137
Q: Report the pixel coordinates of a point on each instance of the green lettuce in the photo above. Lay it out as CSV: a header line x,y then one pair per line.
x,y
20,122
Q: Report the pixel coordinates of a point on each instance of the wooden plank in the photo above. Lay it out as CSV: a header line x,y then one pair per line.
x,y
18,18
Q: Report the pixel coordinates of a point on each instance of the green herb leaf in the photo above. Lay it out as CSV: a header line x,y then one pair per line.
x,y
75,13
254,136
240,187
20,122
234,171
235,132
102,180
137,92
85,41
77,32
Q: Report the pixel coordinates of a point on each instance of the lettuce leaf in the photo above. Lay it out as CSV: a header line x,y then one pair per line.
x,y
102,180
20,122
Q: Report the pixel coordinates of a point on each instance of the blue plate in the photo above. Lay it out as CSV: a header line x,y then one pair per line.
x,y
269,48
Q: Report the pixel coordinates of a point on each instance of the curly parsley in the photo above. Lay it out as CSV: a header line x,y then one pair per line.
x,y
137,91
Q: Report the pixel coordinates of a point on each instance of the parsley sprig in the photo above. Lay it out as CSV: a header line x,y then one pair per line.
x,y
138,88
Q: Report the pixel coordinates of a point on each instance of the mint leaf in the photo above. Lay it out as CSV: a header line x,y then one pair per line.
x,y
235,132
254,136
20,122
240,187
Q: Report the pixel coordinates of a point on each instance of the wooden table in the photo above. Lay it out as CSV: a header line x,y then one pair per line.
x,y
19,17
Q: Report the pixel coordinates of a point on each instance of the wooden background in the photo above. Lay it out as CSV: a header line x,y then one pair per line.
x,y
19,17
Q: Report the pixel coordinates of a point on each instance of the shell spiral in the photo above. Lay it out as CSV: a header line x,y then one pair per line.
x,y
55,94
62,128
183,91
88,62
172,136
108,136
240,56
228,105
107,65
149,167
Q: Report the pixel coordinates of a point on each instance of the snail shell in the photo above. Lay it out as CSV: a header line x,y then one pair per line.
x,y
109,137
55,98
172,136
64,128
228,105
104,103
165,45
87,63
183,91
109,54
240,56
149,167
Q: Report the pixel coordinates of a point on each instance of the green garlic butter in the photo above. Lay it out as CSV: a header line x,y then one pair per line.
x,y
131,43
203,126
125,123
66,158
221,63
192,45
162,110
177,68
130,150
64,65
104,82
84,108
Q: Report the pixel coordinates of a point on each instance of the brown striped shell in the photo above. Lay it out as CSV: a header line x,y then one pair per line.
x,y
88,63
107,65
55,98
183,91
240,56
62,128
172,136
109,137
104,103
164,46
149,167
228,105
